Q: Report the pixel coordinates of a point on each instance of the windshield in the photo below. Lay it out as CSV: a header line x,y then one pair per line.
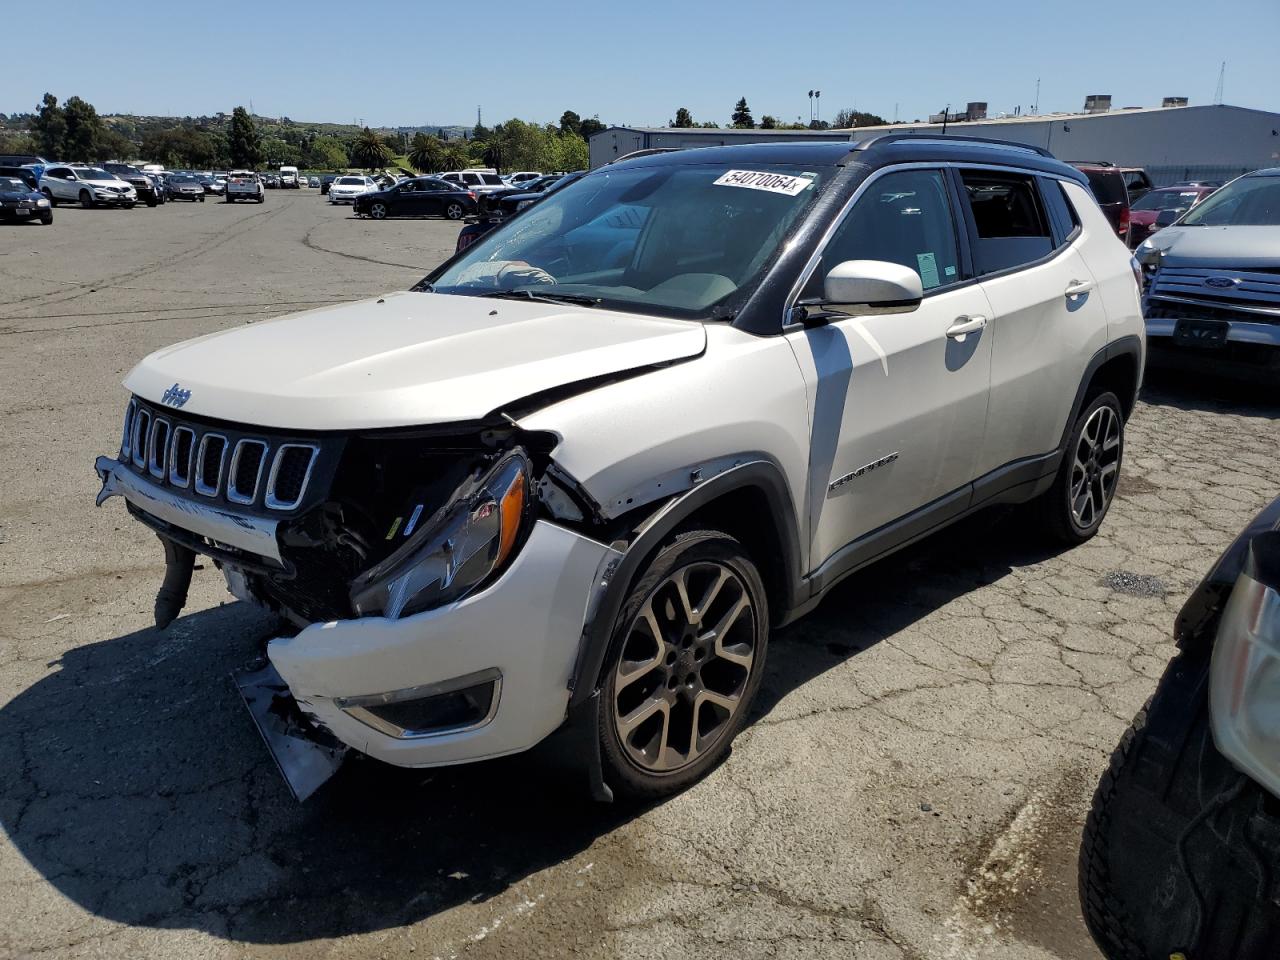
x,y
13,185
94,173
1247,202
183,178
350,181
1167,200
677,240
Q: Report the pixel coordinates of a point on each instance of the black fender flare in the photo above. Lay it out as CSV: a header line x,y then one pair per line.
x,y
764,476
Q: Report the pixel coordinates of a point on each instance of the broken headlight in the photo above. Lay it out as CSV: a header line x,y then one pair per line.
x,y
457,550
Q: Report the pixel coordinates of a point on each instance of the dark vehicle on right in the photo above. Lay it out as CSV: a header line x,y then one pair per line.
x,y
1108,185
140,182
418,197
1181,851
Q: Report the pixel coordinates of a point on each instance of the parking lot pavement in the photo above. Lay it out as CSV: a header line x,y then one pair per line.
x,y
912,786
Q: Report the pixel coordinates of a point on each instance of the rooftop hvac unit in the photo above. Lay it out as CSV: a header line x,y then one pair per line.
x,y
1097,103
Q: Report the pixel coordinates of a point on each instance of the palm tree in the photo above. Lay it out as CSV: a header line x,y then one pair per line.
x,y
369,150
426,154
454,157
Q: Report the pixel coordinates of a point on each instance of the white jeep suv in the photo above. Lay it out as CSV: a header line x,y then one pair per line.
x,y
570,481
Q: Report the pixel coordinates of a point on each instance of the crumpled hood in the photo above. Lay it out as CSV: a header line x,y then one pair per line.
x,y
1218,246
405,359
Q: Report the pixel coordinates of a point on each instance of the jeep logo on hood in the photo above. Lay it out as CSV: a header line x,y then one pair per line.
x,y
175,396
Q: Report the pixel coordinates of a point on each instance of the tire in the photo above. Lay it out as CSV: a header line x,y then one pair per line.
x,y
1167,785
260,198
47,219
201,199
378,211
86,199
649,750
53,201
130,206
153,202
1091,468
454,211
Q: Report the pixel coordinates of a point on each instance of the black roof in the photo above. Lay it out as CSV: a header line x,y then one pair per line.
x,y
875,151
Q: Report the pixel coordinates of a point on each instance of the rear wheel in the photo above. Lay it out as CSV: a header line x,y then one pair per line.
x,y
86,199
1074,507
686,659
454,211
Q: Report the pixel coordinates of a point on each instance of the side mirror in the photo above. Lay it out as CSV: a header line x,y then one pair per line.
x,y
1166,217
871,286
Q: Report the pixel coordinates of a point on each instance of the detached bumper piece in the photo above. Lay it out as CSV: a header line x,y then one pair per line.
x,y
306,755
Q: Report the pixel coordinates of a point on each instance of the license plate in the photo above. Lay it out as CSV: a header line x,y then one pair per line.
x,y
23,211
1207,334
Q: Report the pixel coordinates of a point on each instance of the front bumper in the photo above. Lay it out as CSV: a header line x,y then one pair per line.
x,y
524,631
526,627
1238,331
342,197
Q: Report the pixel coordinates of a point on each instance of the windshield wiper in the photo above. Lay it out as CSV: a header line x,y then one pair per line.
x,y
579,299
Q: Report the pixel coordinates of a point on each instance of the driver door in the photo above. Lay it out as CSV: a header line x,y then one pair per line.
x,y
898,401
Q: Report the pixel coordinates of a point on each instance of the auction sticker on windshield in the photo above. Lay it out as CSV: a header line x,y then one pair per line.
x,y
763,180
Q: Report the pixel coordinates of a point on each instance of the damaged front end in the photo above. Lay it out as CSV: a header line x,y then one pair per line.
x,y
380,546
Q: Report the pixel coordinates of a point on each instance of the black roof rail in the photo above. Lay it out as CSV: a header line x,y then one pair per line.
x,y
1091,163
959,137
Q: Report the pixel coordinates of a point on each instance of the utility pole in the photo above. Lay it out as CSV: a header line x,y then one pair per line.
x,y
1222,74
1035,107
817,97
946,113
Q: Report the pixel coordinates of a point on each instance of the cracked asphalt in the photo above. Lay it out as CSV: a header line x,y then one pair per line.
x,y
912,785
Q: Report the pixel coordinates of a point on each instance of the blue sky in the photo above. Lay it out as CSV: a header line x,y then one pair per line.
x,y
635,63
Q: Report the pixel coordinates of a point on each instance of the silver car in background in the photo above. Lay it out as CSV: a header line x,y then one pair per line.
x,y
1213,278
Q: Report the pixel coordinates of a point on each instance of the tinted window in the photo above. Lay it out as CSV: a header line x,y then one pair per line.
x,y
1010,224
1061,212
470,179
492,180
903,218
1107,186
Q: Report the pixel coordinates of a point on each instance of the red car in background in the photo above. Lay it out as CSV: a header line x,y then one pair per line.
x,y
1145,212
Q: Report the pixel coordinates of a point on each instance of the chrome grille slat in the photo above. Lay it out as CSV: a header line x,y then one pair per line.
x,y
273,501
141,433
158,448
235,493
203,486
180,465
126,439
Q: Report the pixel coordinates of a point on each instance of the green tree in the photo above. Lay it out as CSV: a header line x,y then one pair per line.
x,y
84,129
742,115
590,127
277,152
49,127
369,150
768,123
481,132
454,157
113,145
683,118
570,123
244,142
848,117
328,153
426,153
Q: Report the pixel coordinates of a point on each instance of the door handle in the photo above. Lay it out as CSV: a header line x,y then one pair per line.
x,y
965,326
1077,287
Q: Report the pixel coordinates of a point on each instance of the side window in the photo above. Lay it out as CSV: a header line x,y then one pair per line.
x,y
903,217
1011,225
471,179
1061,212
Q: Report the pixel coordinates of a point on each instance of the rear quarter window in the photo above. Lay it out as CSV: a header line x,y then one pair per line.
x,y
1107,186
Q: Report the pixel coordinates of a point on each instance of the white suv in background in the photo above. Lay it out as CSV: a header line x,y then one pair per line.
x,y
475,180
88,186
571,480
346,189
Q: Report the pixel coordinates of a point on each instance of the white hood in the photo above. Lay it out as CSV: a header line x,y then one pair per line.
x,y
405,359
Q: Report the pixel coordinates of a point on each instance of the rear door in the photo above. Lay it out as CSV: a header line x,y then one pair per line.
x,y
1047,318
898,401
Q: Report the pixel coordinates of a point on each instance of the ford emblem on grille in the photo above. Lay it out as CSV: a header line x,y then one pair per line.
x,y
1221,282
175,396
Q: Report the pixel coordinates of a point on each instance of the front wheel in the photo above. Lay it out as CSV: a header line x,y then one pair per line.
x,y
86,199
1074,507
686,659
201,199
378,211
47,219
454,211
152,202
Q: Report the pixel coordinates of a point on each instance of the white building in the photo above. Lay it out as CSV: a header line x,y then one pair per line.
x,y
1172,143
